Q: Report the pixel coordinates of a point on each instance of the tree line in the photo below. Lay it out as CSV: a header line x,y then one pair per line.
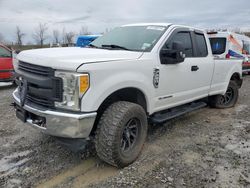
x,y
41,35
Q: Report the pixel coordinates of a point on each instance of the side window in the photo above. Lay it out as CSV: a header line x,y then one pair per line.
x,y
218,45
4,52
201,45
185,39
246,47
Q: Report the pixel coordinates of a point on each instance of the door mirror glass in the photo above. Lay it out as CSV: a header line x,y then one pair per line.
x,y
173,55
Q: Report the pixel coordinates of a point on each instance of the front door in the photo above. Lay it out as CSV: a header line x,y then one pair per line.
x,y
187,81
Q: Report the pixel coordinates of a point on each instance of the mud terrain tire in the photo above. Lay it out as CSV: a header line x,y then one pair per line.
x,y
228,100
121,133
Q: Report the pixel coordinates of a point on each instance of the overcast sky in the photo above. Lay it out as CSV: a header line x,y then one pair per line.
x,y
98,15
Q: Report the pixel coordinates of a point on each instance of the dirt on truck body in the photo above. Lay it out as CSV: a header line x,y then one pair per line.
x,y
205,148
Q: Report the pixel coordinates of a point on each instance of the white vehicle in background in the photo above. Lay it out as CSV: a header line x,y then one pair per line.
x,y
231,45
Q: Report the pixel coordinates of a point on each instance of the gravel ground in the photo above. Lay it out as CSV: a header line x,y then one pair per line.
x,y
205,148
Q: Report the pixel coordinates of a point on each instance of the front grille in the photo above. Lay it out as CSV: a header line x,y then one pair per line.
x,y
35,69
43,88
40,101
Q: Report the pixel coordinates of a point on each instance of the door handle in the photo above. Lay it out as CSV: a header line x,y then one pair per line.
x,y
194,68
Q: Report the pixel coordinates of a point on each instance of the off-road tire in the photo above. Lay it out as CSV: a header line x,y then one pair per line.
x,y
110,131
217,100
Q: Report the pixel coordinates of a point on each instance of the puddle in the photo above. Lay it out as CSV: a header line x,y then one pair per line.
x,y
8,164
82,175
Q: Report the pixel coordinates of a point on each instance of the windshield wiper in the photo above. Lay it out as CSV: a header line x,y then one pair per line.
x,y
92,46
114,46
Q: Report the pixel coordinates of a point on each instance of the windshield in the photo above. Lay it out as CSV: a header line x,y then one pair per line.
x,y
134,38
4,52
218,45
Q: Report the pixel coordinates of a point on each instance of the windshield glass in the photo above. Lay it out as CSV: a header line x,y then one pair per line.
x,y
4,52
218,45
135,38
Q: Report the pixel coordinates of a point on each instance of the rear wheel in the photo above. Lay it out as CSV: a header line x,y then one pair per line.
x,y
227,100
121,133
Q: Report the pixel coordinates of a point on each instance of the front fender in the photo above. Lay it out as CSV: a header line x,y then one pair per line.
x,y
105,82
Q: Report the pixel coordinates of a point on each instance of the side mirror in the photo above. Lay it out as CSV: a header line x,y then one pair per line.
x,y
174,55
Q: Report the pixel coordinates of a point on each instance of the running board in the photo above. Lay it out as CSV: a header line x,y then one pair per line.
x,y
166,115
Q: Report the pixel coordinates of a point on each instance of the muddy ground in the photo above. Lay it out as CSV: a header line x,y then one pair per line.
x,y
205,148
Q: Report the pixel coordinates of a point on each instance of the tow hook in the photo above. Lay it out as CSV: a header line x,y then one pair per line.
x,y
13,104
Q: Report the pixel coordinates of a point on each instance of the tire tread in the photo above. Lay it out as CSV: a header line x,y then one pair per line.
x,y
111,120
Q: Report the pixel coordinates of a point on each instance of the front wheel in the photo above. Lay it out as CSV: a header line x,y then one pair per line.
x,y
121,133
227,100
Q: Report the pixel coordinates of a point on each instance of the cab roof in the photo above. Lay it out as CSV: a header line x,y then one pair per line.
x,y
148,24
164,25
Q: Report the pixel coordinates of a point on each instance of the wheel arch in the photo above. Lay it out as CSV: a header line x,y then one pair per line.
x,y
129,94
237,78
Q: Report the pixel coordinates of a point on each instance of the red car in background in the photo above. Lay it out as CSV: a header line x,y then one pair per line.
x,y
6,64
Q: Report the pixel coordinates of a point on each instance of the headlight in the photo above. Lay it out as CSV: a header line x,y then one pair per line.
x,y
15,62
74,87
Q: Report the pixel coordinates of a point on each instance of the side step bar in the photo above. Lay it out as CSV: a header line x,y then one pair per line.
x,y
166,115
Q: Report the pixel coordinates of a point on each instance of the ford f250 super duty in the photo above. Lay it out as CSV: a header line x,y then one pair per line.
x,y
110,90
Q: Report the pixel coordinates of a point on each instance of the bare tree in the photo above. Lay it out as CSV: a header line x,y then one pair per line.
x,y
1,38
84,31
56,36
40,34
63,36
19,36
69,37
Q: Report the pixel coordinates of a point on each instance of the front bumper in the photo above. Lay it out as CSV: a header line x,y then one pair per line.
x,y
61,124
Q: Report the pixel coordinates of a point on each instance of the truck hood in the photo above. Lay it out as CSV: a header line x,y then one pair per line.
x,y
70,58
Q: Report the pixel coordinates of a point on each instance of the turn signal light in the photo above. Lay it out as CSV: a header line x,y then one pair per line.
x,y
83,83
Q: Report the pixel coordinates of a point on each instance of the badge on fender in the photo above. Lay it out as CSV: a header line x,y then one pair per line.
x,y
156,77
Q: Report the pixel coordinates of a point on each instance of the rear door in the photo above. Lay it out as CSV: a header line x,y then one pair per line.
x,y
187,81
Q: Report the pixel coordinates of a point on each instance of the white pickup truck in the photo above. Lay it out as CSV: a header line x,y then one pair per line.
x,y
110,90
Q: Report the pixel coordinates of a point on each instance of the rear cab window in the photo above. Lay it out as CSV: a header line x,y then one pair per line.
x,y
218,45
